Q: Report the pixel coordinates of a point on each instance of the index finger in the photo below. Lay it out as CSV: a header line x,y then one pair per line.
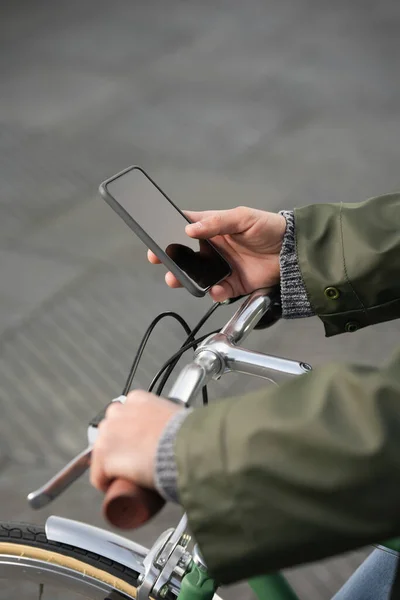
x,y
151,257
199,215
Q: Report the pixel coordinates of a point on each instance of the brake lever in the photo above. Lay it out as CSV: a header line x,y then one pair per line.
x,y
61,481
68,474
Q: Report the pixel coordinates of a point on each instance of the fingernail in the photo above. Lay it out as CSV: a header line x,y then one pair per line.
x,y
194,226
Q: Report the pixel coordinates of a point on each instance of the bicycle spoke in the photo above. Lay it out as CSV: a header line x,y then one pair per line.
x,y
41,589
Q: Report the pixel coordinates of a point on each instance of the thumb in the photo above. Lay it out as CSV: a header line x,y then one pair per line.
x,y
220,222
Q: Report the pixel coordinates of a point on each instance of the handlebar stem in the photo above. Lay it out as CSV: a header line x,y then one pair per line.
x,y
247,316
194,376
219,354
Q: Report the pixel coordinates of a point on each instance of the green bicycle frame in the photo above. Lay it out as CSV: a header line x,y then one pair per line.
x,y
393,545
198,585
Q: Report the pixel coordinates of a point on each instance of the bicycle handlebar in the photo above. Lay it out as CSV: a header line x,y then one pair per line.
x,y
126,505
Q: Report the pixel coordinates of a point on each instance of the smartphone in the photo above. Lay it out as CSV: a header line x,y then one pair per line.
x,y
155,219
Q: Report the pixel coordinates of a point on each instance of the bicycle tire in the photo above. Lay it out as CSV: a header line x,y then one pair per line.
x,y
24,542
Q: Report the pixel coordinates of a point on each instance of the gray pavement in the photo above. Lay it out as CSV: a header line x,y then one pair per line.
x,y
272,104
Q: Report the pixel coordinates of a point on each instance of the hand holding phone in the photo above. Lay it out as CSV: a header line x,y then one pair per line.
x,y
250,239
155,219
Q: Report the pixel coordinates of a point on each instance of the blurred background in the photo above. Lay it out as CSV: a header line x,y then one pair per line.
x,y
271,104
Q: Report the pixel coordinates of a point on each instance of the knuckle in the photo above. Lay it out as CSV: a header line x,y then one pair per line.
x,y
98,448
106,438
100,427
215,220
132,399
113,410
136,397
244,213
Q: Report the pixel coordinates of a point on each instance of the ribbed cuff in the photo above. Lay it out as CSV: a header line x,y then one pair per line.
x,y
166,472
295,303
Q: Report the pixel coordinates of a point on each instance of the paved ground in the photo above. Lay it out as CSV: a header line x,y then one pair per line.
x,y
273,104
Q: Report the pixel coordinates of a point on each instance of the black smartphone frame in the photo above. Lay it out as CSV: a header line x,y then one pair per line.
x,y
188,283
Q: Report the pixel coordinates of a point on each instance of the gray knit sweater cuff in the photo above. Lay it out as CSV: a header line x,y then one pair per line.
x,y
166,472
295,302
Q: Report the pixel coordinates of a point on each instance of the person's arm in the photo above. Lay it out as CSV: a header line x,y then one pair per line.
x,y
349,258
293,474
281,477
353,249
340,261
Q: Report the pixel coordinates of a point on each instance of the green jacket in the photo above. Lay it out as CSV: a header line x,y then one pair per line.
x,y
312,468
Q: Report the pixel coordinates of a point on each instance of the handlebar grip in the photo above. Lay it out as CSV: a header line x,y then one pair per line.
x,y
128,506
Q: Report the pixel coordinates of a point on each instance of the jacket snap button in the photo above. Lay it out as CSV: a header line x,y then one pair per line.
x,y
352,326
332,293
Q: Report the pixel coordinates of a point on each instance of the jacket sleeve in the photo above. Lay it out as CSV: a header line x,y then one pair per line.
x,y
295,473
349,258
312,468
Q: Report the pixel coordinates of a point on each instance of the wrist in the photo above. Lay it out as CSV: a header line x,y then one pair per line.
x,y
295,302
165,469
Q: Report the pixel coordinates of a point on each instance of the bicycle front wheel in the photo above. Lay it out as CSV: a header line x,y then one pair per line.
x,y
45,569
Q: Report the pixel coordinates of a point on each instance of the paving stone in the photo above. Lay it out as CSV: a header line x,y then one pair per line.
x,y
27,281
90,230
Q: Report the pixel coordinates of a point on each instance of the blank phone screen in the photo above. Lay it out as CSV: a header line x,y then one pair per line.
x,y
157,216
